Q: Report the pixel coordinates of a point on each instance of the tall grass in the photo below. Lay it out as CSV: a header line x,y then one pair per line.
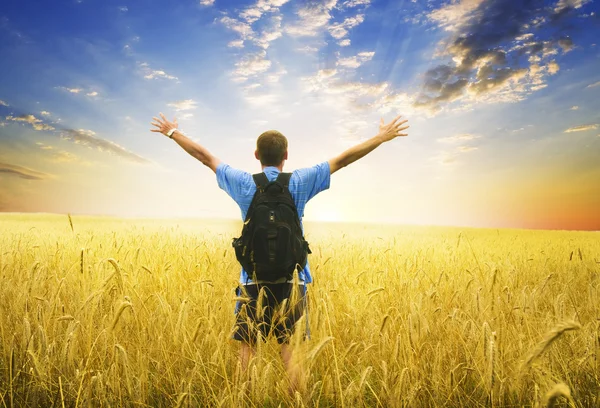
x,y
120,312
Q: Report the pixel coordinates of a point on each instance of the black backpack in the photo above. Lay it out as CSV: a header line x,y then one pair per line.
x,y
271,246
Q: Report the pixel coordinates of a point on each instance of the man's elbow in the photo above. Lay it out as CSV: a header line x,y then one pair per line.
x,y
335,165
211,162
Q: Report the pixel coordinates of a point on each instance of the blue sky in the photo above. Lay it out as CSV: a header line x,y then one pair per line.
x,y
502,97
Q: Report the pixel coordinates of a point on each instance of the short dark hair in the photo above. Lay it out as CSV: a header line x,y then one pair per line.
x,y
271,146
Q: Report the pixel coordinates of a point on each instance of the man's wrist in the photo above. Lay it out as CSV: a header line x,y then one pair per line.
x,y
174,132
379,138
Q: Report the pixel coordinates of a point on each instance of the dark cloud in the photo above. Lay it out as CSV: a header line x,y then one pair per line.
x,y
493,46
566,44
88,138
495,78
22,172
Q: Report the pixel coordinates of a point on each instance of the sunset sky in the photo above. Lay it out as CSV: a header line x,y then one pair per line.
x,y
503,100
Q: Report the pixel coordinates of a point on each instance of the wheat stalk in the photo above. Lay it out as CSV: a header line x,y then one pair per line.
x,y
550,337
319,347
559,390
492,365
71,222
123,306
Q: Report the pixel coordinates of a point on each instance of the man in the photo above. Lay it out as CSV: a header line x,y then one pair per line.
x,y
303,185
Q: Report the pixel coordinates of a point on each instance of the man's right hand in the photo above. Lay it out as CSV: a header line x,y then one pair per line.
x,y
163,124
393,129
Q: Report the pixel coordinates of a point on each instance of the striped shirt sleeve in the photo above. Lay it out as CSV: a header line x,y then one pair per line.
x,y
233,181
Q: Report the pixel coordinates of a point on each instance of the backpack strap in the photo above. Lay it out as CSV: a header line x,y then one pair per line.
x,y
284,179
261,180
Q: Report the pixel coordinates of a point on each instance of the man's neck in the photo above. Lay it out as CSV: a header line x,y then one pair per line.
x,y
280,167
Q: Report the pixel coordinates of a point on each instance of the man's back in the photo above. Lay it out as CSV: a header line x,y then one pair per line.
x,y
304,184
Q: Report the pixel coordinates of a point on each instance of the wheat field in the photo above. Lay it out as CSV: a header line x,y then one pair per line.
x,y
113,312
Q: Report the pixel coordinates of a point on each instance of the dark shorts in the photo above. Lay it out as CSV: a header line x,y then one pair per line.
x,y
274,314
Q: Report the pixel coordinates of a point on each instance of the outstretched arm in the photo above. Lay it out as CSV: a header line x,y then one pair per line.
x,y
386,133
196,150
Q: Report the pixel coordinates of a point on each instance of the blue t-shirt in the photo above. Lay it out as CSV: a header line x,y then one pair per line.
x,y
304,185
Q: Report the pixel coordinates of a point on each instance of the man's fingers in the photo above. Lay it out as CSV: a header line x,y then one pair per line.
x,y
396,118
155,124
163,116
156,119
155,130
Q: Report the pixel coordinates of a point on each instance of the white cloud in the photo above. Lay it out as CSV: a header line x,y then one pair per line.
x,y
350,98
313,17
326,73
452,15
307,49
261,100
355,3
251,87
445,158
353,127
357,89
150,73
36,123
207,2
563,4
65,157
243,29
45,113
250,65
595,84
269,34
187,104
88,138
357,60
582,128
44,146
123,9
254,13
2,103
78,91
275,76
466,149
155,74
340,30
553,67
396,103
236,44
344,43
458,138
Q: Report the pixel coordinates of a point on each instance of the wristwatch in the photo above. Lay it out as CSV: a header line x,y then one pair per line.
x,y
170,132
